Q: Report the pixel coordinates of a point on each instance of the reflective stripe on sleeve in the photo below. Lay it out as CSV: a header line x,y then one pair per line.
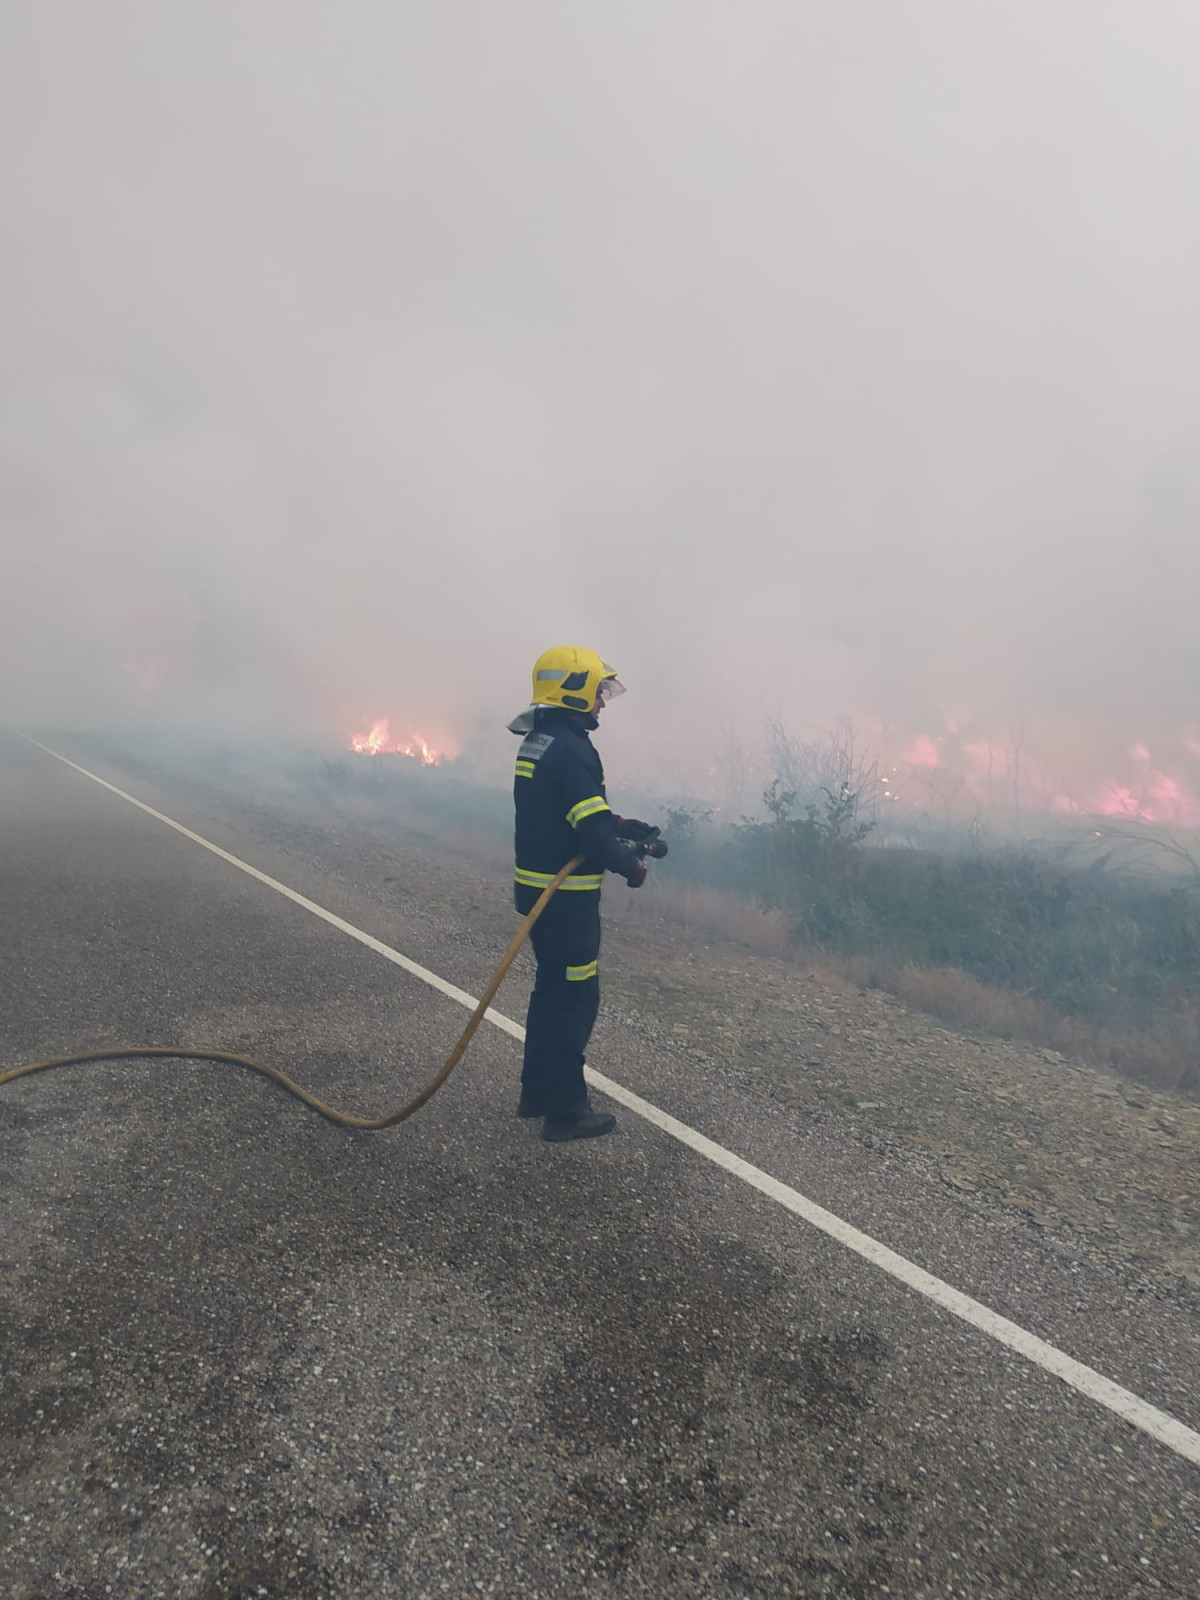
x,y
586,808
582,974
525,769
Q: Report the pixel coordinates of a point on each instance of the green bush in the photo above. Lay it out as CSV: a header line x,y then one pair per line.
x,y
1087,941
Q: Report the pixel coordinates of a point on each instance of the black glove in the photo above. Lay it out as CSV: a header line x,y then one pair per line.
x,y
631,828
633,869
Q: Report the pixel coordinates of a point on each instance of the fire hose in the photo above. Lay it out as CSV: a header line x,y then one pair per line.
x,y
344,1119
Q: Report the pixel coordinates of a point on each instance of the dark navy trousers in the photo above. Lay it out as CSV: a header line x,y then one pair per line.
x,y
564,1002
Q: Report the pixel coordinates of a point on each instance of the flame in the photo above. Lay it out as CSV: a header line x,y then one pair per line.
x,y
1150,785
378,741
922,752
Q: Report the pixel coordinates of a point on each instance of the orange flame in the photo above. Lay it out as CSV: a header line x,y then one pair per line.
x,y
378,741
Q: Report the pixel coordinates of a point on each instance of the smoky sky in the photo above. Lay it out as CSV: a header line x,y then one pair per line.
x,y
803,359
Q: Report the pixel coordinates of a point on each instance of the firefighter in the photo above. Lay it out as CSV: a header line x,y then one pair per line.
x,y
561,812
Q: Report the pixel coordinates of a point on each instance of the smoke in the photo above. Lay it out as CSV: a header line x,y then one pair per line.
x,y
805,361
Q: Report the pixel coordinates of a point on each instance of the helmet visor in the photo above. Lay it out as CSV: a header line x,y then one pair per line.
x,y
609,688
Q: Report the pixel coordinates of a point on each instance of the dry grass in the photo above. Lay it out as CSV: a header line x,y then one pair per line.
x,y
708,912
482,850
1167,1056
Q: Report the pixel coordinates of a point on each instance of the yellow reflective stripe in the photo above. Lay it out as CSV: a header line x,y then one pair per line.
x,y
578,880
586,808
581,974
525,769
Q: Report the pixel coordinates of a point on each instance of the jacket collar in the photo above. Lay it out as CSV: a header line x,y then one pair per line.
x,y
557,719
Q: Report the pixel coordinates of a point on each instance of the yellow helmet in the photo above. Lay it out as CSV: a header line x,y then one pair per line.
x,y
573,678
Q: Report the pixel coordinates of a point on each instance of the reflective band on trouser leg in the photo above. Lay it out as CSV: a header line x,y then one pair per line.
x,y
578,880
586,808
581,974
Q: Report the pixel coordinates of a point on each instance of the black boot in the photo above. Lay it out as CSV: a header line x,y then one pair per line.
x,y
585,1124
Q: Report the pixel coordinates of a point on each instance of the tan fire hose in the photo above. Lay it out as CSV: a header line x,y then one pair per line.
x,y
343,1118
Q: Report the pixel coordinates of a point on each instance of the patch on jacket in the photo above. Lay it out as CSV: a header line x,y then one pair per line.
x,y
534,747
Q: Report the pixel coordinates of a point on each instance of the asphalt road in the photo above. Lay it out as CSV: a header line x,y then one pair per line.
x,y
245,1353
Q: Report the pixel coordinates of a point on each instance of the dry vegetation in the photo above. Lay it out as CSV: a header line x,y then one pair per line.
x,y
1094,962
1164,1056
1099,965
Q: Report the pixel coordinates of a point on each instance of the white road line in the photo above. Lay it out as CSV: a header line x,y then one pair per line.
x,y
1123,1403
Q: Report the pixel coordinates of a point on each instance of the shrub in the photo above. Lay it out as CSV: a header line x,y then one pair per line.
x,y
1087,942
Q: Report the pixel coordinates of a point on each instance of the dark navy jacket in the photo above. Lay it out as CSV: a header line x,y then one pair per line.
x,y
562,810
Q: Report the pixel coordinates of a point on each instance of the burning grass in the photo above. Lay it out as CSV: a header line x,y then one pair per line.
x,y
379,740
